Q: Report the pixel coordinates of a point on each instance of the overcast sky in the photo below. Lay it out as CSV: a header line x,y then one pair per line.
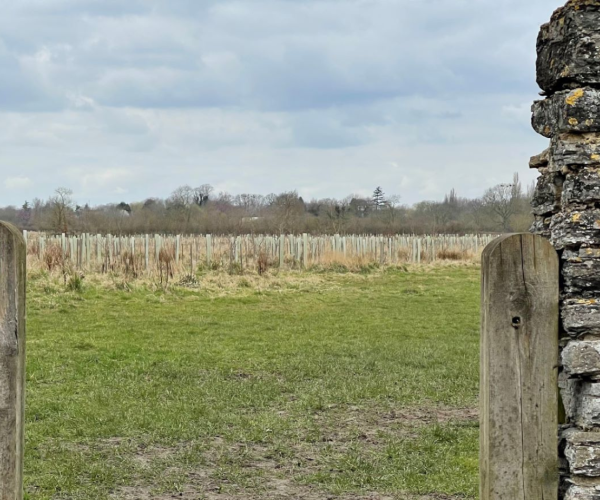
x,y
123,100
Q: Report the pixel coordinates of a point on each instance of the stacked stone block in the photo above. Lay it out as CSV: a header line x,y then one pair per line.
x,y
566,207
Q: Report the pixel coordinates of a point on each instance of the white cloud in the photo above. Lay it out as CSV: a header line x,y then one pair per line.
x,y
328,97
17,183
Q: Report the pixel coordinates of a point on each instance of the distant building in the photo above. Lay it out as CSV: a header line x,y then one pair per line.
x,y
251,219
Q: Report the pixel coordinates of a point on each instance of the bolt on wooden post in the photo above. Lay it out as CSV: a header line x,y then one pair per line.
x,y
519,355
12,361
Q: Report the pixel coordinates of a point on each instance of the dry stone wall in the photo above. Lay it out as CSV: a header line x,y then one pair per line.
x,y
566,207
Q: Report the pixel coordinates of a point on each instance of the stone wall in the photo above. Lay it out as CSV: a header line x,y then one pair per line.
x,y
566,206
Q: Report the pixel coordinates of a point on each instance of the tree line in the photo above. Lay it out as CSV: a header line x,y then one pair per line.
x,y
188,210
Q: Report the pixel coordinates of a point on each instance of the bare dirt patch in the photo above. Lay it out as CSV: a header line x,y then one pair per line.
x,y
354,422
256,471
279,490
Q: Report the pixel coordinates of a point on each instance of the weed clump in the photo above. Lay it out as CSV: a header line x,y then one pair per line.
x,y
205,267
75,283
235,269
189,281
244,283
368,268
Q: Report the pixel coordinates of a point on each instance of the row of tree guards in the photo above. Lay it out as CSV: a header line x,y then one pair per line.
x,y
151,252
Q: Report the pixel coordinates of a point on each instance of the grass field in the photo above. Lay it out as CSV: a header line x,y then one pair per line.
x,y
319,386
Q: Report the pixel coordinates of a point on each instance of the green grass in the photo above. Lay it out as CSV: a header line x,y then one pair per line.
x,y
334,385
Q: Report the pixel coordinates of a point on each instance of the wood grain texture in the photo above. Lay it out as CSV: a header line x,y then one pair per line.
x,y
12,361
519,369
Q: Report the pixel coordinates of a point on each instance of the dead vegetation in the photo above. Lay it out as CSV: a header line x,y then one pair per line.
x,y
166,258
53,258
171,259
455,254
127,273
262,263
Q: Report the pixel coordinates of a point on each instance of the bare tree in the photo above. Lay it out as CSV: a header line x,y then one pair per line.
x,y
199,210
183,195
62,206
476,213
183,202
287,208
338,213
392,208
251,203
435,214
502,203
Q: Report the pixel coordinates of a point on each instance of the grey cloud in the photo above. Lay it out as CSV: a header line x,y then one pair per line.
x,y
283,55
267,94
325,131
76,7
20,90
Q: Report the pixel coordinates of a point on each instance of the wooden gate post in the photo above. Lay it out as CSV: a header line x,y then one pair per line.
x,y
12,361
519,372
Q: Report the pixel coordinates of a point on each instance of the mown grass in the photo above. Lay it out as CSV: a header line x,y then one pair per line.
x,y
294,388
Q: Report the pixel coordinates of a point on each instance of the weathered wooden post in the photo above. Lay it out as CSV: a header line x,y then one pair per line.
x,y
519,353
12,360
566,205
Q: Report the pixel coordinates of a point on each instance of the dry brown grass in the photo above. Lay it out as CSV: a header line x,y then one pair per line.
x,y
403,255
262,263
129,261
166,258
455,254
127,272
133,265
334,259
214,283
53,258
